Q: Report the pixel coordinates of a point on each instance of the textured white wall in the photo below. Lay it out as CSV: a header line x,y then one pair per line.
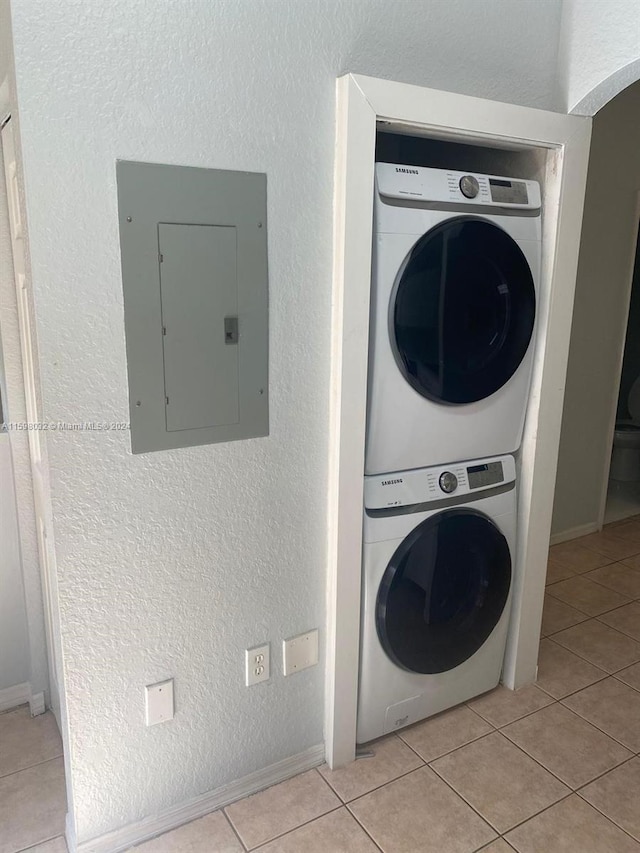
x,y
14,648
170,564
599,318
599,52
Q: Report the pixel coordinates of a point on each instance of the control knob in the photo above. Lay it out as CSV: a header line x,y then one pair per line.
x,y
448,482
469,186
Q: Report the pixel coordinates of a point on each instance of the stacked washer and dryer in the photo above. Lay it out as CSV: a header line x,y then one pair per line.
x,y
456,264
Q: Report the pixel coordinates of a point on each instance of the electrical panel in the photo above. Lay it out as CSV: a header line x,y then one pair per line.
x,y
194,269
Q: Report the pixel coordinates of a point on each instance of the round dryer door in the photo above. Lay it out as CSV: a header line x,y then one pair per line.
x,y
443,592
462,311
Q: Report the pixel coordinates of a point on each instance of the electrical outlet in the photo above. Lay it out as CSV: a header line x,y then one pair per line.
x,y
159,702
257,665
300,652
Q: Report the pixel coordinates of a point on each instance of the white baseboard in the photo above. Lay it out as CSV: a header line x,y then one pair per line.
x,y
135,833
11,697
36,704
574,533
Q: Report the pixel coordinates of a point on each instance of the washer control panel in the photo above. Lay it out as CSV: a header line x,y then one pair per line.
x,y
429,485
444,185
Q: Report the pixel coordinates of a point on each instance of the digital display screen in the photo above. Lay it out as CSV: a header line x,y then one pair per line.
x,y
489,474
509,192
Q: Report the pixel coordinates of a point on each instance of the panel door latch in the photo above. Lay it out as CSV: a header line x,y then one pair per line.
x,y
231,330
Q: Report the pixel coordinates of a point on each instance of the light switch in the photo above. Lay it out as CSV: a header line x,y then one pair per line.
x,y
159,702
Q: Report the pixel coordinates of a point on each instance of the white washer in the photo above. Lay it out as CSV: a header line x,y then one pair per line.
x,y
456,265
438,558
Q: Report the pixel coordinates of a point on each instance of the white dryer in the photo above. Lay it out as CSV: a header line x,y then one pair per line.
x,y
438,559
456,265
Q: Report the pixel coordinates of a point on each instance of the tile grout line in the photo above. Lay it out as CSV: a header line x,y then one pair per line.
x,y
612,588
572,792
602,731
601,553
428,766
617,674
579,689
464,799
535,760
584,612
599,810
578,654
537,814
383,784
457,793
415,770
233,829
554,702
31,766
450,751
578,791
606,773
620,630
292,830
555,775
498,730
362,826
631,597
38,843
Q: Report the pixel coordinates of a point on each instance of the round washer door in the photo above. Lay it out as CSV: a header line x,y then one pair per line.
x,y
462,311
443,591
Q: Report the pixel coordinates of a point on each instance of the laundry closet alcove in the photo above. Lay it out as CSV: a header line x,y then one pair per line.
x,y
548,147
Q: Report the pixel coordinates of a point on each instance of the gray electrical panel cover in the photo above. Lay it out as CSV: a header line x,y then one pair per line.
x,y
194,269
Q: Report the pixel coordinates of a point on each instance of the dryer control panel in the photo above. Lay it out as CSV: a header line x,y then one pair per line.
x,y
428,485
443,185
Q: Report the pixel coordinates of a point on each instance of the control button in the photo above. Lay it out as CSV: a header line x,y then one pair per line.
x,y
448,482
469,186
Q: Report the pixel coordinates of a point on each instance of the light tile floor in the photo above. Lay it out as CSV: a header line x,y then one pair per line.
x,y
32,792
552,768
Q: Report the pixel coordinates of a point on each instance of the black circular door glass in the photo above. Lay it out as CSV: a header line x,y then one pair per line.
x,y
463,311
443,592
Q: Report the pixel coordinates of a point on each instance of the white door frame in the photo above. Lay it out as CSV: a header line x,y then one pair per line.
x,y
36,523
361,103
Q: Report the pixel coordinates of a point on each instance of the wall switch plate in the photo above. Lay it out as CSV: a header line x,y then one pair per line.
x,y
159,702
257,665
300,652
